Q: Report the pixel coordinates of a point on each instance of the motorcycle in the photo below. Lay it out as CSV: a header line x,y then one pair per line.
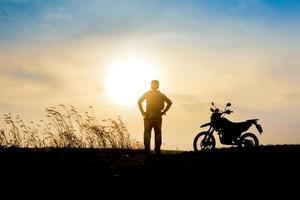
x,y
230,133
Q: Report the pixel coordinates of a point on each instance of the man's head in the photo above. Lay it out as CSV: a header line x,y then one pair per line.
x,y
154,85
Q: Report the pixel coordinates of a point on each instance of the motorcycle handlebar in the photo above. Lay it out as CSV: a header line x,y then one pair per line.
x,y
218,111
227,112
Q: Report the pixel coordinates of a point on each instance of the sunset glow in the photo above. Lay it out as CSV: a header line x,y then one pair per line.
x,y
104,53
128,79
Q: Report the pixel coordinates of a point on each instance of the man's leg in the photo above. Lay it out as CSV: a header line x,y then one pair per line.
x,y
157,129
147,134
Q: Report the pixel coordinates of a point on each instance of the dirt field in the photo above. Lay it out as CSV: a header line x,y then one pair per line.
x,y
90,172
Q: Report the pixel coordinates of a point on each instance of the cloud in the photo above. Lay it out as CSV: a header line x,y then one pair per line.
x,y
50,75
58,14
195,107
288,72
4,12
17,1
15,79
190,102
26,75
290,98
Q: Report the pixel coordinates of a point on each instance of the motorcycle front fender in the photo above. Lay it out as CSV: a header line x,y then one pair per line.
x,y
205,125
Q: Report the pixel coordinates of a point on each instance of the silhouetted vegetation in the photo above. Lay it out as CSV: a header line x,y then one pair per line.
x,y
66,127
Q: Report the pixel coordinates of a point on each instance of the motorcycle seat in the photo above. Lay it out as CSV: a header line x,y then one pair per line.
x,y
252,120
237,126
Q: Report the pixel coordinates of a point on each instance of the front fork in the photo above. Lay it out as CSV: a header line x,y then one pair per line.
x,y
210,132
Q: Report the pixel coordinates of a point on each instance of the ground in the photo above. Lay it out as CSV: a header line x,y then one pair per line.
x,y
84,172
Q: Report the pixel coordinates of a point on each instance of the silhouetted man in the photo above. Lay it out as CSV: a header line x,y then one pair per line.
x,y
155,108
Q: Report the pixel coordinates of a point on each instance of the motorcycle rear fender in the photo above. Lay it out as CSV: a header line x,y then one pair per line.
x,y
204,125
258,126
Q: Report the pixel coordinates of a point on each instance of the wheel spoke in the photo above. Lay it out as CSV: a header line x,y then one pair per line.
x,y
248,141
204,141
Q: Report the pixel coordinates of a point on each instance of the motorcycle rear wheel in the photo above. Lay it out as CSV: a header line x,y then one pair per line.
x,y
204,141
248,140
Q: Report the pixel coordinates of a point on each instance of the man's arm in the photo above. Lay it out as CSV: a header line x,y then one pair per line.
x,y
169,103
140,101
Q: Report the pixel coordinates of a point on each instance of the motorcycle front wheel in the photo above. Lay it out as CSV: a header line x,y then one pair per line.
x,y
204,141
248,140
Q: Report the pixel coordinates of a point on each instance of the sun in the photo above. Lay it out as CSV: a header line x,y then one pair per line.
x,y
128,79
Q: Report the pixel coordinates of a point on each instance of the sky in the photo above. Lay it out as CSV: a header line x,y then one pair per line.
x,y
241,51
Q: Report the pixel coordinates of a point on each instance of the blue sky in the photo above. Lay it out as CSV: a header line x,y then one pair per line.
x,y
26,19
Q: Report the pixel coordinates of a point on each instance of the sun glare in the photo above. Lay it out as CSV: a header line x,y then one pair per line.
x,y
128,79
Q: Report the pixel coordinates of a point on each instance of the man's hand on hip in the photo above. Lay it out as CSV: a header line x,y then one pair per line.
x,y
143,113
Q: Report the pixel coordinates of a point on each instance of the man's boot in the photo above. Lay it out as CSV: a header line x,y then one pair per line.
x,y
147,151
157,152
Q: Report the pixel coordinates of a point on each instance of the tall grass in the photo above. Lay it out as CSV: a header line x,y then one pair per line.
x,y
66,127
